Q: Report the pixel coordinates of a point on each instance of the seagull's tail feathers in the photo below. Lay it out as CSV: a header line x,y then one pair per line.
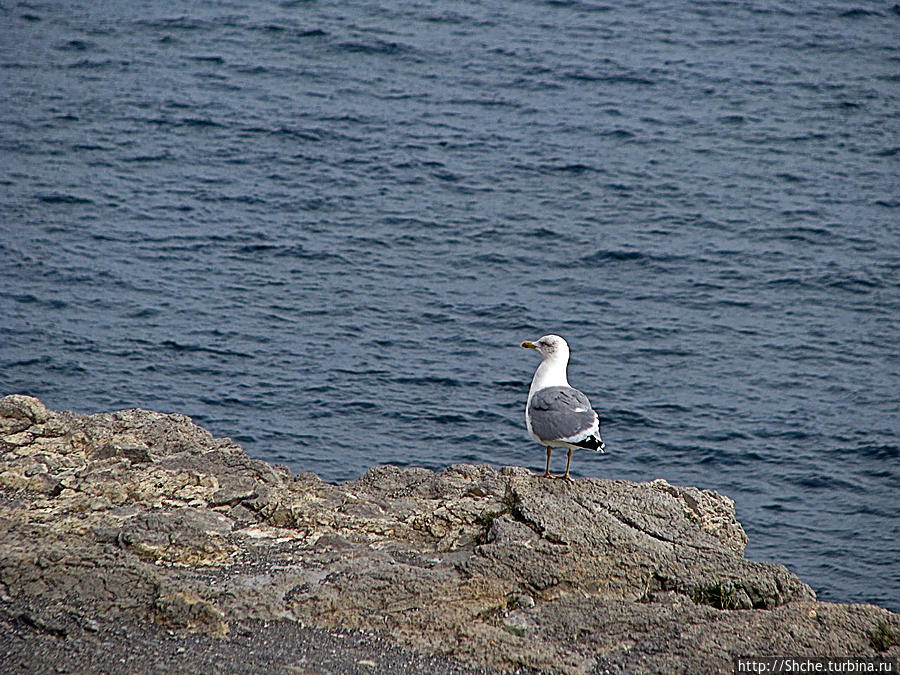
x,y
593,443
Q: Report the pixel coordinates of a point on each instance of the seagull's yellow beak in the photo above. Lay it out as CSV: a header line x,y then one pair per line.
x,y
528,344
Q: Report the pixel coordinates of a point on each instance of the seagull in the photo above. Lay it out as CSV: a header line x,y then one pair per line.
x,y
556,415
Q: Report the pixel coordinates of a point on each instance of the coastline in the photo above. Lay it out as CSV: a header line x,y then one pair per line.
x,y
139,533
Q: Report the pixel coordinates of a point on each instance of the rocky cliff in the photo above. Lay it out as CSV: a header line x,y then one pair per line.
x,y
143,519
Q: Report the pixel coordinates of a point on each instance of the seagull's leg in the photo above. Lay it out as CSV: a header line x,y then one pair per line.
x,y
568,462
547,470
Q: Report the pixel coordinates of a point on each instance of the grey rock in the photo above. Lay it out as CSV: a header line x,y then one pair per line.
x,y
133,452
144,519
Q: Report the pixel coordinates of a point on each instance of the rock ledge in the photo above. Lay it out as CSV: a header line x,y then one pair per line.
x,y
143,518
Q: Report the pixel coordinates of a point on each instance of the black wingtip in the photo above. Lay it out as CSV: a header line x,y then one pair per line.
x,y
593,443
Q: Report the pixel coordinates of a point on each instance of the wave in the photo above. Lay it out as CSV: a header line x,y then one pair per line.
x,y
860,13
881,452
182,347
63,198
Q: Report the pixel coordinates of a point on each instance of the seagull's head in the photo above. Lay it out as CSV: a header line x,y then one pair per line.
x,y
549,347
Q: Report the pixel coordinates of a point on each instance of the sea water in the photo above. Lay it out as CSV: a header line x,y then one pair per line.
x,y
323,229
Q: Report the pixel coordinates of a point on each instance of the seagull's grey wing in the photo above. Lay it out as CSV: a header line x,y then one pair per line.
x,y
561,413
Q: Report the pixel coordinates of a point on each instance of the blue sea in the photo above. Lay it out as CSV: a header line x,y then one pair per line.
x,y
324,228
